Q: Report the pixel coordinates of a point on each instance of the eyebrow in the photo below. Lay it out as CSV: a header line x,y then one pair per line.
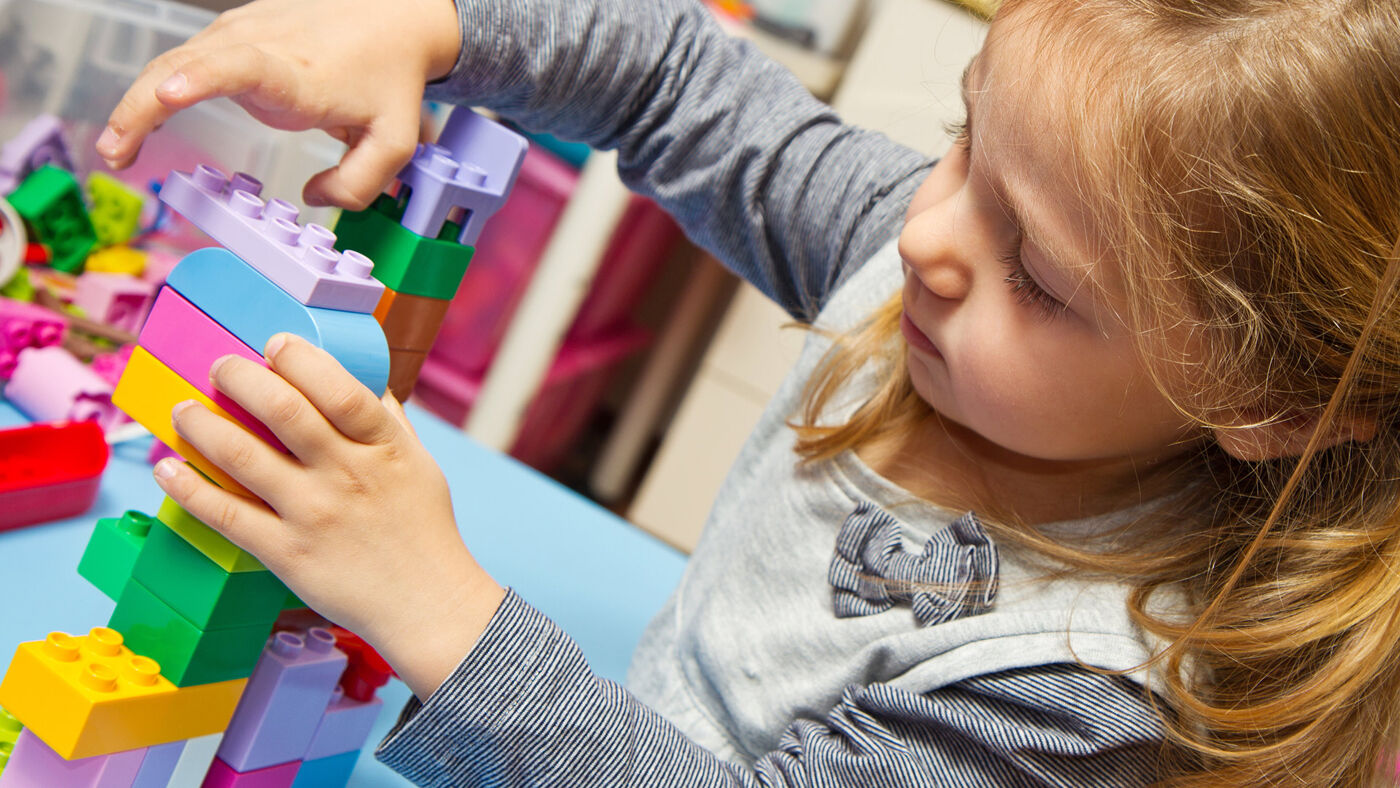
x,y
1029,231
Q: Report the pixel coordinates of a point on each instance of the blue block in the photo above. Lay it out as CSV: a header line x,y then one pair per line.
x,y
332,772
158,765
252,308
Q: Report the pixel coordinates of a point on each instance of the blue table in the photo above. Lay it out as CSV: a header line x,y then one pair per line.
x,y
596,575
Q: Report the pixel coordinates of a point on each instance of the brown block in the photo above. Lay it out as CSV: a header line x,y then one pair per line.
x,y
404,366
410,322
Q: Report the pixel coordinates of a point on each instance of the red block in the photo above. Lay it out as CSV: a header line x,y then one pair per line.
x,y
49,471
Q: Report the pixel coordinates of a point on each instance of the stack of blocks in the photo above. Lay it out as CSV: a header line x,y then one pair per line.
x,y
184,687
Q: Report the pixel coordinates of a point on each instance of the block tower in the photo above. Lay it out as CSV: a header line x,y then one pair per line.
x,y
184,669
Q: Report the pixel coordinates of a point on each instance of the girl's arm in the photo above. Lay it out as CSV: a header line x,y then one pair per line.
x,y
753,167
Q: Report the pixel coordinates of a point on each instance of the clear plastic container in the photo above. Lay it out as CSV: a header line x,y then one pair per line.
x,y
75,58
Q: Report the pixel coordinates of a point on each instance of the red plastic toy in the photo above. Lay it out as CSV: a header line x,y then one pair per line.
x,y
49,471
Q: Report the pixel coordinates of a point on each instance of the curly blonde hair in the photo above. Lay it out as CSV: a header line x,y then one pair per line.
x,y
1245,157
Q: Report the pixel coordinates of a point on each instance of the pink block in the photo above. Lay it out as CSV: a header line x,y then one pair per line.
x,y
119,300
188,341
221,775
160,451
111,365
22,326
34,765
50,384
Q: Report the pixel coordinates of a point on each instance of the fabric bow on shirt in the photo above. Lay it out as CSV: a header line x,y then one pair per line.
x,y
955,576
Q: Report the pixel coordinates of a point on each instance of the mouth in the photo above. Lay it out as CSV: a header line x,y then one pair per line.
x,y
916,338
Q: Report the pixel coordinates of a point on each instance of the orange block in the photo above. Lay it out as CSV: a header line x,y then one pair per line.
x,y
149,390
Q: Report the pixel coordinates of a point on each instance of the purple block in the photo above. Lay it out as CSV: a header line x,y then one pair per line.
x,y
284,701
344,727
33,764
159,765
38,143
472,167
300,260
188,341
120,300
49,384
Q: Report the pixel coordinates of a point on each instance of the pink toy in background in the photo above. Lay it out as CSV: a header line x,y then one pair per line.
x,y
109,366
24,326
117,300
51,384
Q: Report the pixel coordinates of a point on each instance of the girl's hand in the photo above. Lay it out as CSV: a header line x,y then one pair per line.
x,y
357,520
355,68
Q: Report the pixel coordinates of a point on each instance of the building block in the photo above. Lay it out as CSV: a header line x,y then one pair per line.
x,y
40,142
344,727
118,300
158,765
221,775
189,657
112,550
49,471
195,761
52,207
10,728
403,260
117,260
410,322
14,242
50,384
116,210
109,366
148,391
472,167
285,699
302,261
404,366
34,764
214,545
188,341
92,695
330,772
200,590
23,326
366,670
253,309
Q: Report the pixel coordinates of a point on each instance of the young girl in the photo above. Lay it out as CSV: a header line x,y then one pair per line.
x,y
1087,476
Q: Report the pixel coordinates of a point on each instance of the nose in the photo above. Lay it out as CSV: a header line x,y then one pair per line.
x,y
929,245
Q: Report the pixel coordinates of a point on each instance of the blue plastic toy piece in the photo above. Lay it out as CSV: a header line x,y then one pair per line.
x,y
472,167
252,308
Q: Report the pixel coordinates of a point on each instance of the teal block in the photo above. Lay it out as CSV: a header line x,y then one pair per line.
x,y
332,772
187,655
112,551
252,308
203,592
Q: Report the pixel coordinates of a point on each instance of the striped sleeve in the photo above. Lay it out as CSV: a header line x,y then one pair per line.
x,y
755,169
523,709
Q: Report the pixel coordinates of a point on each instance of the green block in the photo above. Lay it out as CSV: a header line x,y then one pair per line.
x,y
112,550
52,206
116,209
187,654
206,540
201,590
293,602
405,261
10,727
19,288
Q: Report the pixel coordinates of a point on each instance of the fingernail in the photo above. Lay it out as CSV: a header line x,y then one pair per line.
x,y
218,362
275,344
107,144
174,86
315,201
179,408
165,469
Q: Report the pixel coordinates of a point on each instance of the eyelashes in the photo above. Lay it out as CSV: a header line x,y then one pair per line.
x,y
1026,290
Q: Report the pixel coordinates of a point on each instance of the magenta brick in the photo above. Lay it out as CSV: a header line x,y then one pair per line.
x,y
221,775
188,341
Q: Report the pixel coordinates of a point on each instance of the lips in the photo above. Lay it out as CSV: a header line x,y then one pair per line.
x,y
916,338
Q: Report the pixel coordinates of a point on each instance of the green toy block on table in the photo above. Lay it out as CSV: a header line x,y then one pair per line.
x,y
403,260
51,204
10,728
116,209
187,655
215,546
112,550
201,591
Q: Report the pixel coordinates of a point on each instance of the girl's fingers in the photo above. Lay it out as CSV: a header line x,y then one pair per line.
x,y
266,472
247,523
343,400
375,156
279,406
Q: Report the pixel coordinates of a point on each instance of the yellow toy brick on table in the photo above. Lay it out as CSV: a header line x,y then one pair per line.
x,y
91,695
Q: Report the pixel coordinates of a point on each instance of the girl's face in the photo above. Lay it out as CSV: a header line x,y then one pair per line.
x,y
1011,301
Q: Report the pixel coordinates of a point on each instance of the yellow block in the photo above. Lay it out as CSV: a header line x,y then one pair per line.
x,y
148,390
214,545
117,260
91,695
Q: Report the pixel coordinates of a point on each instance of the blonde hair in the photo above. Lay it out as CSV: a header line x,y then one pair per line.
x,y
1249,170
